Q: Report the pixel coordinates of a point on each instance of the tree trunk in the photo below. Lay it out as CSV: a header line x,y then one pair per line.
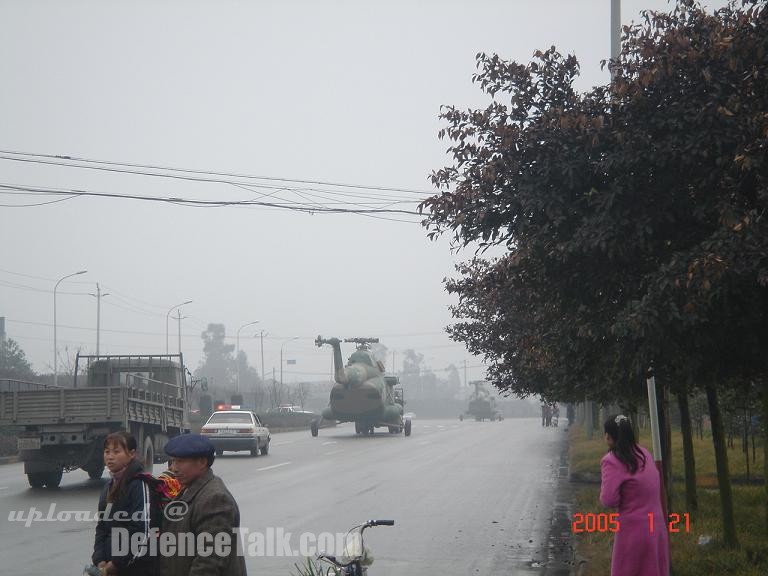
x,y
665,438
745,440
689,460
721,460
765,447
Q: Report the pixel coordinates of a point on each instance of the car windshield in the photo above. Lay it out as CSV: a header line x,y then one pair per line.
x,y
230,418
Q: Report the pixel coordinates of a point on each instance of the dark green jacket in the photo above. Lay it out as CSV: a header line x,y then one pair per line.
x,y
212,509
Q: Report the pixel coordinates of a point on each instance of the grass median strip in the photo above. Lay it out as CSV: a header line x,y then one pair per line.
x,y
689,557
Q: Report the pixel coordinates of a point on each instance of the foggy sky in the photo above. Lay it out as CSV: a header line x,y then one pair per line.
x,y
343,91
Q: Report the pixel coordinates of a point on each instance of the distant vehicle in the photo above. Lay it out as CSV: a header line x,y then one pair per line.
x,y
236,431
481,404
292,410
64,428
362,393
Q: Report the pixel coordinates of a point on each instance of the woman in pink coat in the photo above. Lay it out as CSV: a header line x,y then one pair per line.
x,y
630,482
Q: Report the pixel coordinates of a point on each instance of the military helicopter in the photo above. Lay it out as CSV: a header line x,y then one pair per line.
x,y
362,393
481,404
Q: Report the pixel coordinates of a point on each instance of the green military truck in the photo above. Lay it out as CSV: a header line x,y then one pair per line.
x,y
63,429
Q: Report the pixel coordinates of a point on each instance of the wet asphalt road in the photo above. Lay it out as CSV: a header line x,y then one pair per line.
x,y
467,497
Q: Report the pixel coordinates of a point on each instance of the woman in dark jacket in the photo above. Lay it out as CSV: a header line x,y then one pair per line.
x,y
128,512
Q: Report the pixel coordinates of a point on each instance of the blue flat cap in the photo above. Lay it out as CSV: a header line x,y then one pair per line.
x,y
189,446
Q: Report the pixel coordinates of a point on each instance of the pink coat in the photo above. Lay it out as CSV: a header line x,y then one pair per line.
x,y
636,550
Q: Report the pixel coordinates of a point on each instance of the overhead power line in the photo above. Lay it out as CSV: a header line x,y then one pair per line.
x,y
191,202
49,158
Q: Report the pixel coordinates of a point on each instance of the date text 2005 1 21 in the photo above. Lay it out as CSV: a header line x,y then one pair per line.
x,y
604,522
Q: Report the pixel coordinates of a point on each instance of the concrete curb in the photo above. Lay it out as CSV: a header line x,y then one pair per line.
x,y
8,459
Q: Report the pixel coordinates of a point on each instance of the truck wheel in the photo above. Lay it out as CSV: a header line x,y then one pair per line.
x,y
255,451
358,428
36,479
95,473
219,452
265,449
53,479
407,427
149,455
314,428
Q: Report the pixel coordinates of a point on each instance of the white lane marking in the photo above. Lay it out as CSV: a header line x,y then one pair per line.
x,y
328,443
332,453
272,467
282,443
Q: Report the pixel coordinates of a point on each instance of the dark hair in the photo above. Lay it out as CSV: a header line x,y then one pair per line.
x,y
127,442
619,428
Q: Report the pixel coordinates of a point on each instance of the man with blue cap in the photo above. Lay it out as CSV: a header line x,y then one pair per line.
x,y
204,512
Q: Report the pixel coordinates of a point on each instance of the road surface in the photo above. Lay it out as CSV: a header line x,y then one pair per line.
x,y
467,497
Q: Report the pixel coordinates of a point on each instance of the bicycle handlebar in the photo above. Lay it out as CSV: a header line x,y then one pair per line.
x,y
380,523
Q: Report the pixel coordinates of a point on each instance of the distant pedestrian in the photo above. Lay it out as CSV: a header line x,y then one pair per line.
x,y
128,509
208,508
631,483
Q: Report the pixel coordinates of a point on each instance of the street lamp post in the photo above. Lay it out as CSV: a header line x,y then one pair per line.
x,y
262,334
180,318
281,358
55,339
237,355
167,316
263,382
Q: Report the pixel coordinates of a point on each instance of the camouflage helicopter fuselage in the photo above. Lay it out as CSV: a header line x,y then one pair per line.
x,y
362,393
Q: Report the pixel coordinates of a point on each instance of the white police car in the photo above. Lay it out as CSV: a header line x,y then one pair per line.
x,y
236,430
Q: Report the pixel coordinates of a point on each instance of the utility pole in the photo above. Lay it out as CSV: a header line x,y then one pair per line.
x,y
263,382
615,28
615,35
167,316
2,341
99,295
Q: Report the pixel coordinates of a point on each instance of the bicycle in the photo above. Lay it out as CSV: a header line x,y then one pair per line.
x,y
356,557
